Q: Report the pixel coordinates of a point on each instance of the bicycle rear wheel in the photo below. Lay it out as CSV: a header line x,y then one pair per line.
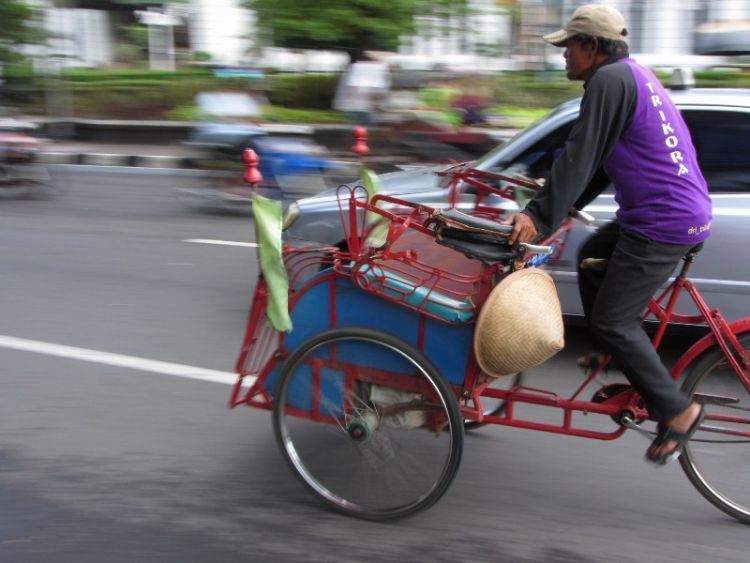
x,y
367,423
717,458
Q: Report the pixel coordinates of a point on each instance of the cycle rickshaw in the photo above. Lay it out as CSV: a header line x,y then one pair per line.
x,y
373,388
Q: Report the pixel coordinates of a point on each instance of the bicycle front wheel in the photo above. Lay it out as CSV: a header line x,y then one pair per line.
x,y
717,458
367,423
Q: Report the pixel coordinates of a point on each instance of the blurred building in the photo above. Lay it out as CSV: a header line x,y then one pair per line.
x,y
491,34
222,29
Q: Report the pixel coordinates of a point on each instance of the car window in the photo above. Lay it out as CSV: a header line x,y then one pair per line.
x,y
722,140
536,161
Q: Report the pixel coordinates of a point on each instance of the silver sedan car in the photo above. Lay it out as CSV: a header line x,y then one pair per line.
x,y
719,120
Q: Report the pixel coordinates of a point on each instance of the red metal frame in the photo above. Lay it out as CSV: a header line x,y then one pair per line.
x,y
258,355
721,334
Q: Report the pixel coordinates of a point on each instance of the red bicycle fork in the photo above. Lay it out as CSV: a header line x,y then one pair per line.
x,y
722,332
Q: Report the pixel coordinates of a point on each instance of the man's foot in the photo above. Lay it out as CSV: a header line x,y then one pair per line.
x,y
672,436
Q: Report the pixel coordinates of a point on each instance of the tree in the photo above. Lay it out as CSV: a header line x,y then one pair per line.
x,y
351,25
16,28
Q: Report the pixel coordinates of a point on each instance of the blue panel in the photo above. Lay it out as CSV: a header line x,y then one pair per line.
x,y
448,346
270,381
299,391
356,307
331,402
331,399
310,315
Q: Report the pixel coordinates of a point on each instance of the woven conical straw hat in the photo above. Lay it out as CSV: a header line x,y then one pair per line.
x,y
520,324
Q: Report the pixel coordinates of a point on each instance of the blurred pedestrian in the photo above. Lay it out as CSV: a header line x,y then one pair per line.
x,y
362,89
628,133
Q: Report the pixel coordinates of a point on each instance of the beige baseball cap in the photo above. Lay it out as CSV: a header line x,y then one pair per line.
x,y
596,20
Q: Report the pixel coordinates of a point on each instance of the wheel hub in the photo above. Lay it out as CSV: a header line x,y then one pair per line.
x,y
361,426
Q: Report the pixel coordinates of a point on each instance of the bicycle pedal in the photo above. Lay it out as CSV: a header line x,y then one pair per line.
x,y
631,424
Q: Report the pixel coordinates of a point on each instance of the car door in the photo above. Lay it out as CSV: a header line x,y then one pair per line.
x,y
721,135
535,161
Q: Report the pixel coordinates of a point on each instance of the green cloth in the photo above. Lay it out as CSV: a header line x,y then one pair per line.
x,y
377,225
267,213
523,196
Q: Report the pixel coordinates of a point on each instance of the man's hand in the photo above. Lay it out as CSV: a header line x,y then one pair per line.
x,y
524,229
538,181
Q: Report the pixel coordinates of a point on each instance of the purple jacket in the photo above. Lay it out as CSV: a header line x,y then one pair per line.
x,y
629,132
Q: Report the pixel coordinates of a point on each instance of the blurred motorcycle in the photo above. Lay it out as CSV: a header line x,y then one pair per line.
x,y
21,175
292,167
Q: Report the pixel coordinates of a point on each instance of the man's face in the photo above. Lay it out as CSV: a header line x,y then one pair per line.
x,y
580,59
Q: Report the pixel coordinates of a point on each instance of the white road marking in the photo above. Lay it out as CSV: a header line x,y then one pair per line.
x,y
118,360
221,242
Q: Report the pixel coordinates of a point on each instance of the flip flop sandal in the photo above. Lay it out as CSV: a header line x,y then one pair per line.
x,y
664,435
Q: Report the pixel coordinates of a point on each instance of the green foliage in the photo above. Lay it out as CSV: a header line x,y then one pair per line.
x,y
136,34
515,116
202,56
518,97
136,93
733,78
293,115
350,25
534,90
303,90
15,28
107,76
183,113
21,74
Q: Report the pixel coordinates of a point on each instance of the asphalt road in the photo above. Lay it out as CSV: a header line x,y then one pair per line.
x,y
117,340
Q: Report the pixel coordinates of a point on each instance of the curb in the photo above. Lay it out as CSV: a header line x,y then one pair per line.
x,y
113,159
183,162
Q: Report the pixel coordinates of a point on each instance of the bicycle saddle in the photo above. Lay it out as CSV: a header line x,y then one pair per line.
x,y
490,249
454,218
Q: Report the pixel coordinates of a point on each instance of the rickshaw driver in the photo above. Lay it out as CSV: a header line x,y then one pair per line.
x,y
629,132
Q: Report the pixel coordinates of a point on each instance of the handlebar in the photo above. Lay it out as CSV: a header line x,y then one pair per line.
x,y
474,235
525,249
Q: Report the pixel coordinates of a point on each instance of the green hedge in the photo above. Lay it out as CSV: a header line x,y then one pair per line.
x,y
85,75
534,89
145,94
148,95
313,91
723,79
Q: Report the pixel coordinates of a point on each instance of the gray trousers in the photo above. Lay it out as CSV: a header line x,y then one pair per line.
x,y
614,303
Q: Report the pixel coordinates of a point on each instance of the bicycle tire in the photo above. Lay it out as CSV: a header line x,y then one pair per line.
x,y
716,463
495,407
368,468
